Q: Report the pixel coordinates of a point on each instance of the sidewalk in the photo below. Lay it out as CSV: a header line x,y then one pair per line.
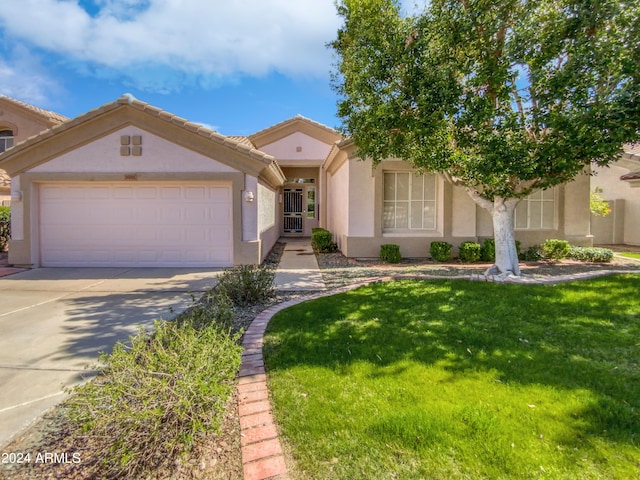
x,y
298,268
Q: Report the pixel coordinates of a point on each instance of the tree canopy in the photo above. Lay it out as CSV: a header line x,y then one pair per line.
x,y
502,97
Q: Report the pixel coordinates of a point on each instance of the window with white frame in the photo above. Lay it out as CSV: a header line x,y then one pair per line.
x,y
409,201
537,211
6,140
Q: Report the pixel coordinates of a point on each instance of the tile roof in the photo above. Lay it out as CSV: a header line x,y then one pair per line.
x,y
230,142
242,139
48,115
289,120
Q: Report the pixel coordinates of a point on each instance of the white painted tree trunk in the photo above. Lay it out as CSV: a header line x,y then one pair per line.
x,y
506,254
501,210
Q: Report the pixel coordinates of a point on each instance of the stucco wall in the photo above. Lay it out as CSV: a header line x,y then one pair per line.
x,y
287,148
337,202
361,198
21,124
613,188
463,214
268,225
250,209
158,156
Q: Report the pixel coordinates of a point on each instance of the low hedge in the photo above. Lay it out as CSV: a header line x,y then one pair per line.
x,y
390,253
469,252
590,254
440,251
554,250
5,227
322,241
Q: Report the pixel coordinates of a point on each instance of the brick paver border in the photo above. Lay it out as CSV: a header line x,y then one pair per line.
x,y
262,456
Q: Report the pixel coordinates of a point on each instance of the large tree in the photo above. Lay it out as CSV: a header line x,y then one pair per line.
x,y
501,97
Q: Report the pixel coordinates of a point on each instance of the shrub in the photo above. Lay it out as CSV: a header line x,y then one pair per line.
x,y
440,251
590,254
246,284
469,252
390,253
322,241
554,250
156,396
488,251
532,254
5,227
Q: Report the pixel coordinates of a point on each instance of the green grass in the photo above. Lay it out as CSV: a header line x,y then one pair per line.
x,y
629,255
454,379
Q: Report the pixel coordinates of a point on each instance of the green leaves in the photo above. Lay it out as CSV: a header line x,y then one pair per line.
x,y
505,95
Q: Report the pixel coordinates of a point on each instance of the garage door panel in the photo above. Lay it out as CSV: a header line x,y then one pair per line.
x,y
135,225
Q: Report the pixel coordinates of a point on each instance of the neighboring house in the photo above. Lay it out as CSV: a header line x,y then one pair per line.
x,y
19,121
129,184
620,184
5,189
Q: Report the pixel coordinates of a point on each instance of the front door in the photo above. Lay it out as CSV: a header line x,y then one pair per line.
x,y
293,211
300,210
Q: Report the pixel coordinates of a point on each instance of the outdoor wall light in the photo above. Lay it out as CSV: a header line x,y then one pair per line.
x,y
16,196
248,197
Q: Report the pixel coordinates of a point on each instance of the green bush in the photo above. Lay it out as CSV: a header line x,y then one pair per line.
x,y
246,284
440,251
156,397
322,241
5,227
532,254
390,253
553,249
590,254
488,250
469,252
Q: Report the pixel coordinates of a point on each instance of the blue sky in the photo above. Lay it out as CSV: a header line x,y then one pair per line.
x,y
236,66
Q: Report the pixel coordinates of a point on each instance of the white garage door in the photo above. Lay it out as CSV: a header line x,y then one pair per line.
x,y
142,225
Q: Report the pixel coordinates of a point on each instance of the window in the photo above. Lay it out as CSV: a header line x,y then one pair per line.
x,y
409,201
537,211
6,140
311,202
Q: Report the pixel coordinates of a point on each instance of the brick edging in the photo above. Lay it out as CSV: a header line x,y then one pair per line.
x,y
262,456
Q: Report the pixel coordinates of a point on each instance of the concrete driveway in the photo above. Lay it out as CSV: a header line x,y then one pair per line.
x,y
55,321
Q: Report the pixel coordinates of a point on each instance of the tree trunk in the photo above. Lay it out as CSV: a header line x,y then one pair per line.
x,y
506,262
501,210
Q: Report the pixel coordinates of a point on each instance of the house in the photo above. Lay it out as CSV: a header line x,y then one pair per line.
x,y
19,121
130,184
620,186
391,203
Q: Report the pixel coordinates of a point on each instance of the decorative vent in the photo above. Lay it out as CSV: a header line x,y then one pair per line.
x,y
131,145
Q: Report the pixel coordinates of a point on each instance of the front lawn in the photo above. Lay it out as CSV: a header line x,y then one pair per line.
x,y
456,379
635,255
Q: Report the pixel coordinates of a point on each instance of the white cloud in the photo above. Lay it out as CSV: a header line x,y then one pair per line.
x,y
21,76
198,38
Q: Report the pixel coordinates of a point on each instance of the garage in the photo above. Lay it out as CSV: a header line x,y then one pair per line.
x,y
135,224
